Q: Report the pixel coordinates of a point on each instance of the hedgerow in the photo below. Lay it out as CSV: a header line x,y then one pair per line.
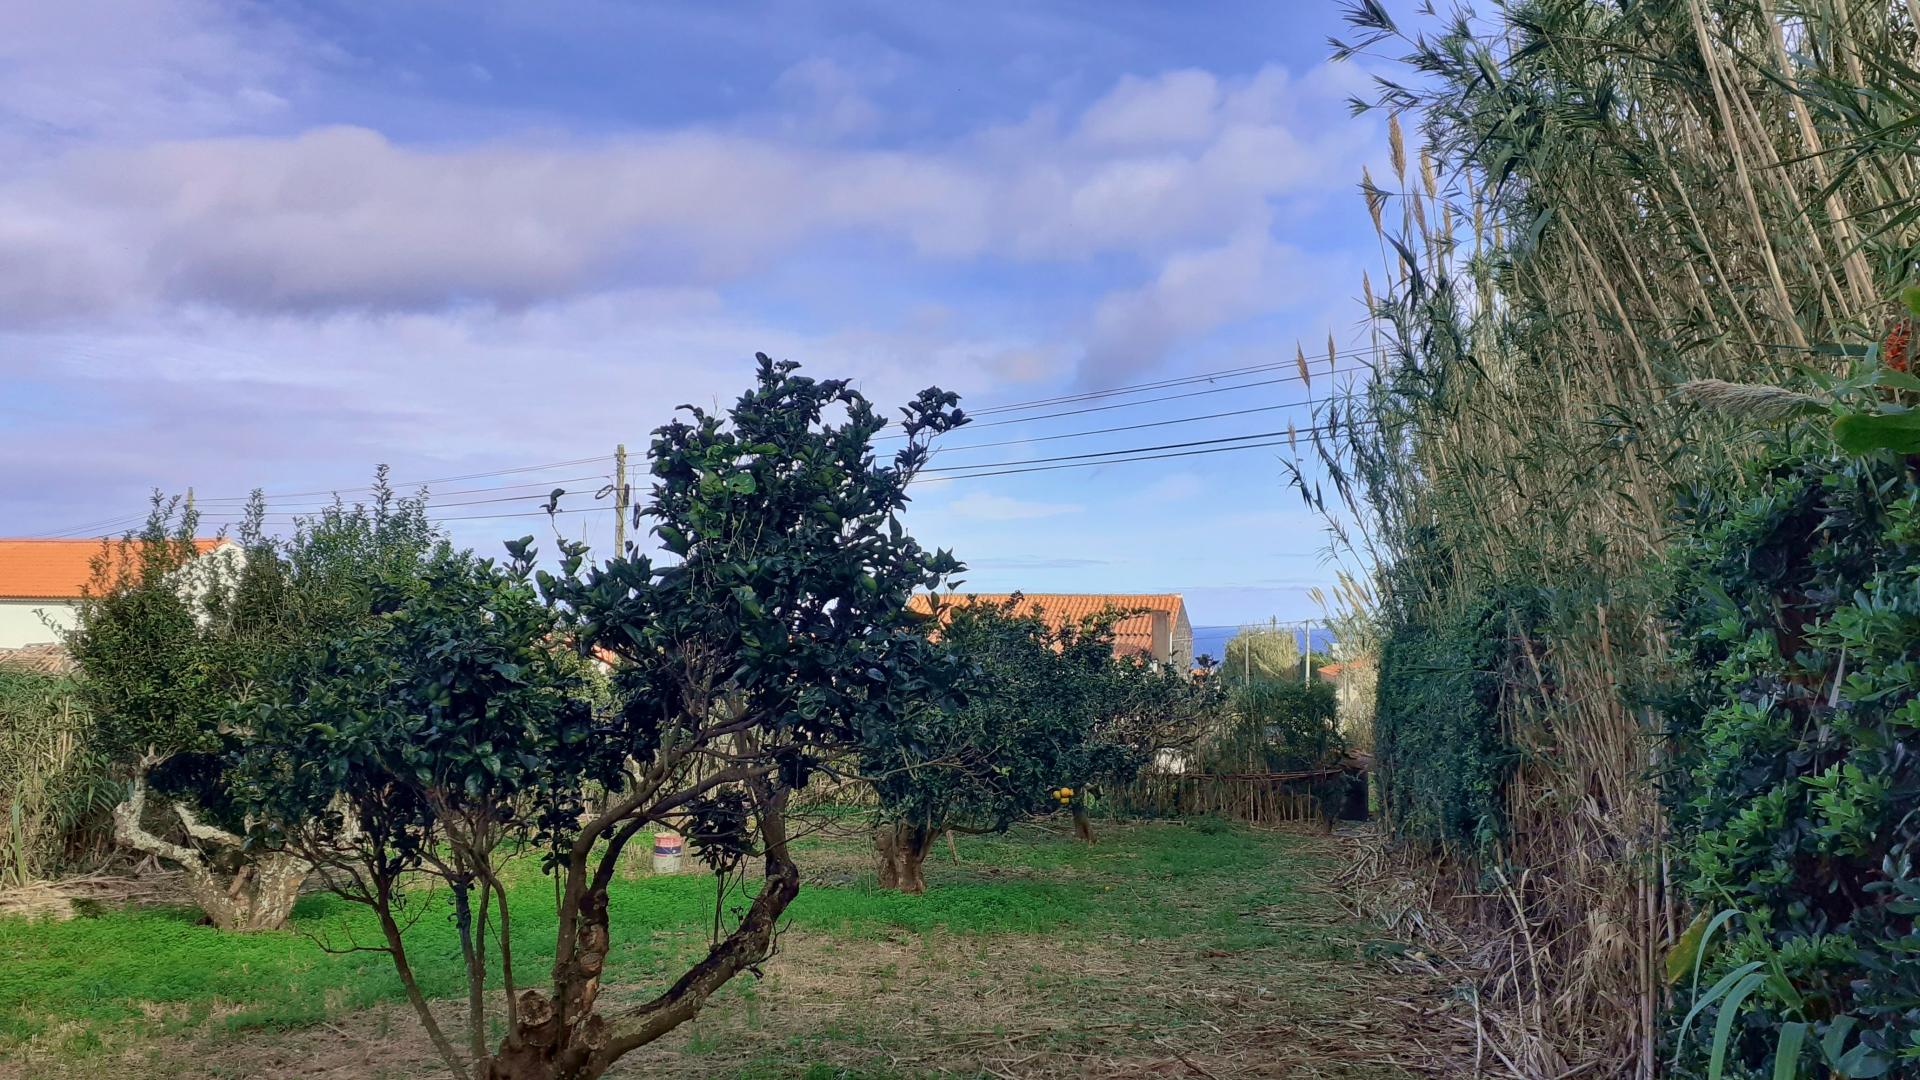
x,y
1796,792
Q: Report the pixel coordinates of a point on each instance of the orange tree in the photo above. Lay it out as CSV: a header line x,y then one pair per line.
x,y
1045,713
175,648
775,630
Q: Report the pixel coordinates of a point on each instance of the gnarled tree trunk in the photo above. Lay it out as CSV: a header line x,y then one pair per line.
x,y
258,894
563,1038
902,849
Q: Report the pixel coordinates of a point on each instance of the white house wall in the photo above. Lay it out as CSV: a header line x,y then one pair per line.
x,y
22,622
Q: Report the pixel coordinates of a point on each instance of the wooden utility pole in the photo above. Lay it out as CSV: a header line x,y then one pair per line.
x,y
620,493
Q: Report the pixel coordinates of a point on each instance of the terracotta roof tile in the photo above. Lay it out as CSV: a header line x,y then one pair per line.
x,y
45,659
54,569
1132,635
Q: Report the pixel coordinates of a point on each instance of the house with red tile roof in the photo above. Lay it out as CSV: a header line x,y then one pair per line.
x,y
41,582
1157,628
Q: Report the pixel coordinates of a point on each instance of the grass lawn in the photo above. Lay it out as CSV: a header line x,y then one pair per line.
x,y
1167,949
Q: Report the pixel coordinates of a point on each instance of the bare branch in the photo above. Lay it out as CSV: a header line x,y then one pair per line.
x,y
201,831
128,830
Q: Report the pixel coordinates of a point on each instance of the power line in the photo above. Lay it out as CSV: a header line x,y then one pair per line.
x,y
966,472
469,491
1118,453
1144,401
1204,376
1112,461
1116,461
1174,450
1149,424
398,484
959,472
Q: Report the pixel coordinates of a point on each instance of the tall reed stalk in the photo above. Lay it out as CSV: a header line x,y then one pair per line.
x,y
50,789
1604,201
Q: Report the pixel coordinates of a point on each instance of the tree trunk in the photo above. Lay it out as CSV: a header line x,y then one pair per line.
x,y
886,845
902,849
1082,825
547,1043
258,896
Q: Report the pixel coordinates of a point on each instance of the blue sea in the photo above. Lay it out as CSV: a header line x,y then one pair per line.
x,y
1212,640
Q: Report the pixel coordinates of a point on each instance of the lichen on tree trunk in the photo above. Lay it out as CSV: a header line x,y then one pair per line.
x,y
257,893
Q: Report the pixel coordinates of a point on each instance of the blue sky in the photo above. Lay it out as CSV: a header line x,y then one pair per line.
x,y
271,245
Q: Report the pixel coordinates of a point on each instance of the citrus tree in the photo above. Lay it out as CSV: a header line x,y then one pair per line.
x,y
773,631
425,746
173,644
1045,713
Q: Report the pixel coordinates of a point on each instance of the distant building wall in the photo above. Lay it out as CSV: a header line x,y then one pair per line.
x,y
21,621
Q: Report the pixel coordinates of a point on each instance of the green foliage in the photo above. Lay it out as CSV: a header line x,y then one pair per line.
x,y
1797,793
162,651
1261,653
173,646
54,790
452,705
1040,710
1276,726
786,594
1440,753
431,743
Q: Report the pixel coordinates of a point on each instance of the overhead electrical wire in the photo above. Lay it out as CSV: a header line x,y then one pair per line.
x,y
399,484
1204,376
1289,433
1133,404
1007,468
1038,466
1148,424
941,473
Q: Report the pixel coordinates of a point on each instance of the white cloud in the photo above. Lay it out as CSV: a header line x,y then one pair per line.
x,y
344,217
1178,109
1194,292
987,506
121,69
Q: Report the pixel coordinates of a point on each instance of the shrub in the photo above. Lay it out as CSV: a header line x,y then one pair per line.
x,y
1276,726
1261,653
1440,752
1796,792
173,649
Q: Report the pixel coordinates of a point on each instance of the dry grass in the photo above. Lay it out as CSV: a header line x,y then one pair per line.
x,y
64,898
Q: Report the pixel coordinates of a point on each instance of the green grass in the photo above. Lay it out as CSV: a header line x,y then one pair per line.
x,y
75,988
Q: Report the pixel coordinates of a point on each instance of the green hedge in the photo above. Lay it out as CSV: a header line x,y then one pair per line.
x,y
1795,795
1439,751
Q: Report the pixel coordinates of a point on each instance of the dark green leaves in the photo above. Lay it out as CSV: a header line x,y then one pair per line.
x,y
1864,433
1795,796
